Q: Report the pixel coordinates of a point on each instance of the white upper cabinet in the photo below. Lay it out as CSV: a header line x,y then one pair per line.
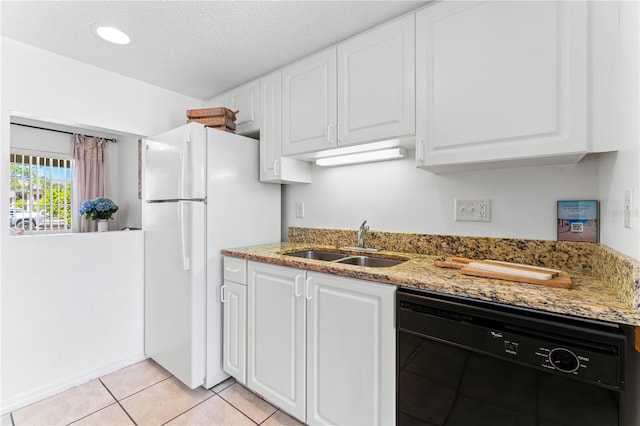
x,y
273,166
361,91
376,84
501,83
309,104
246,100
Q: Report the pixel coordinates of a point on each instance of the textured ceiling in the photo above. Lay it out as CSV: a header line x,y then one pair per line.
x,y
197,48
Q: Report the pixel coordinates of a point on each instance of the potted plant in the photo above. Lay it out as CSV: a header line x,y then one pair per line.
x,y
100,209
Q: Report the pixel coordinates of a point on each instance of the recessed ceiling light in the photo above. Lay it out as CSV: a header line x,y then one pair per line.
x,y
110,34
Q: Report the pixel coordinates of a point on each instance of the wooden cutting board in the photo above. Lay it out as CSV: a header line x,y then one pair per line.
x,y
509,271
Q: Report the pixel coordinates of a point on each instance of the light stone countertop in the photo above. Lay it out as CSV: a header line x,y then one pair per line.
x,y
590,296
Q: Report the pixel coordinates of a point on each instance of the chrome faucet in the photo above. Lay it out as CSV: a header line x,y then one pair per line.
x,y
362,234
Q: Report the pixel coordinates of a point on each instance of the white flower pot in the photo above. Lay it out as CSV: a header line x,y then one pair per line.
x,y
103,225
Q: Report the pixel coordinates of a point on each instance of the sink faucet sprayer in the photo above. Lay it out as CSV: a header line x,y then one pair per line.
x,y
362,234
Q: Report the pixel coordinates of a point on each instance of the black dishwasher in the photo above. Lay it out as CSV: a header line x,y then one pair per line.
x,y
464,362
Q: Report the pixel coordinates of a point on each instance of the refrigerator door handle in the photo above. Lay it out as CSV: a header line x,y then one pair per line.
x,y
184,229
222,294
185,166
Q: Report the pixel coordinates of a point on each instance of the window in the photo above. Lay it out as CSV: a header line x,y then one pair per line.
x,y
40,193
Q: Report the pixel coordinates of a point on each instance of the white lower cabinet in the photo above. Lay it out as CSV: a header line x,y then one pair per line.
x,y
276,336
321,347
234,354
351,351
234,325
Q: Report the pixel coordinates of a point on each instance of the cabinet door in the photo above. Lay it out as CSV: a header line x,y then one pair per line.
x,y
309,104
376,84
234,354
500,81
271,127
218,101
246,99
350,351
273,166
276,336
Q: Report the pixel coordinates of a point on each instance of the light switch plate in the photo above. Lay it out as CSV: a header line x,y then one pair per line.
x,y
299,209
472,210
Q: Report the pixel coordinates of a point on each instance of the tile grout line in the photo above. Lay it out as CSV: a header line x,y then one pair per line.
x,y
91,414
226,387
214,393
118,402
243,413
191,408
239,410
272,414
143,389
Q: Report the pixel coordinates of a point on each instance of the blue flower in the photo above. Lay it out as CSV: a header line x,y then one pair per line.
x,y
100,208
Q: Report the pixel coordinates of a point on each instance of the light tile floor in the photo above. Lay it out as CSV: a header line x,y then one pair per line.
x,y
145,394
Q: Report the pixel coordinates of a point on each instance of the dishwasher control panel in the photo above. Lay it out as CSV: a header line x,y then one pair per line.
x,y
600,365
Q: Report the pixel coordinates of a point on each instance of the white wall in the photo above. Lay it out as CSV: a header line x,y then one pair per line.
x,y
621,171
395,196
30,139
44,297
130,213
72,310
52,87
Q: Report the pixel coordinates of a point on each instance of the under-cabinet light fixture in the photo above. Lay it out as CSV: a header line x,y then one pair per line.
x,y
363,157
111,34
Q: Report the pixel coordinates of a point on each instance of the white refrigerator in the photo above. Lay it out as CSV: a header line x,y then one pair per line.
x,y
201,193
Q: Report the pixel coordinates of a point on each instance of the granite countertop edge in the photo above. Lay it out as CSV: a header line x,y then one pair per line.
x,y
589,298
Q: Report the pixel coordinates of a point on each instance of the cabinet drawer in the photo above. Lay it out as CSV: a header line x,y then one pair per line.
x,y
235,270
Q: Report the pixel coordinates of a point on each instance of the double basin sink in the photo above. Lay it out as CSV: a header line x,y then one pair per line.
x,y
348,259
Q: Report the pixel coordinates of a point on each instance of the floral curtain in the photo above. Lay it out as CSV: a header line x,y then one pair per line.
x,y
88,176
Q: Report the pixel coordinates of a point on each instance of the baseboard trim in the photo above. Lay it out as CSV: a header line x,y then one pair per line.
x,y
13,403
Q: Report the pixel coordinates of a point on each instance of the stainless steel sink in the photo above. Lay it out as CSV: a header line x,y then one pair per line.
x,y
372,262
348,259
318,255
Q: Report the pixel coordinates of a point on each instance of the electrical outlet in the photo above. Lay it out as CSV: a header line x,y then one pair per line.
x,y
472,210
628,202
299,209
